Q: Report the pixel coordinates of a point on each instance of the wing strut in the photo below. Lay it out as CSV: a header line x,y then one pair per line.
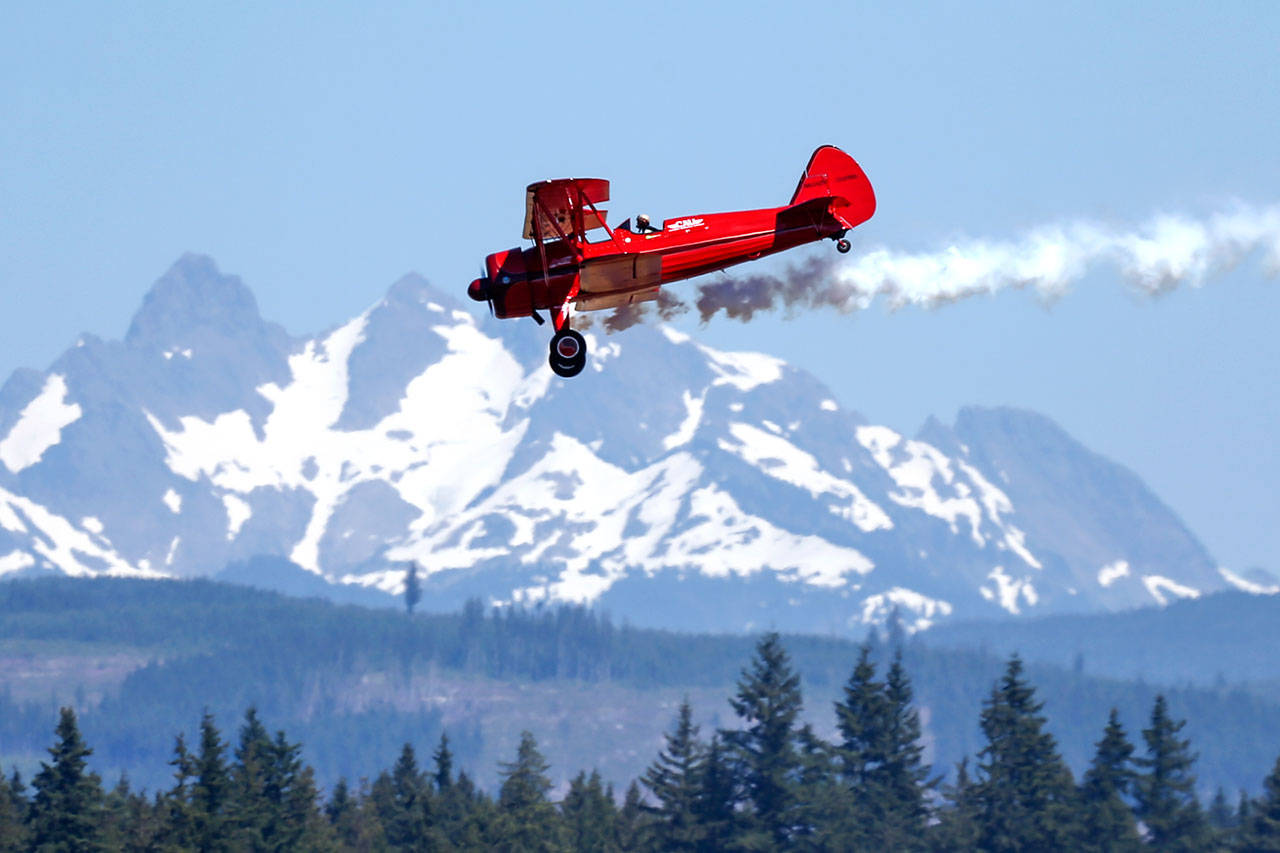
x,y
560,315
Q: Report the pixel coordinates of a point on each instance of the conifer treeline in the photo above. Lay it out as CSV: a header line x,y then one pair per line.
x,y
768,783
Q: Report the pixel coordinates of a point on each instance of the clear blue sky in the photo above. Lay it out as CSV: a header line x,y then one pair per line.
x,y
322,151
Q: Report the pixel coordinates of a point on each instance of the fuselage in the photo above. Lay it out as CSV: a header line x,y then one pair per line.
x,y
517,281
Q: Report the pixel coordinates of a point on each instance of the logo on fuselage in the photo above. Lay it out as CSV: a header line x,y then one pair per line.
x,y
682,224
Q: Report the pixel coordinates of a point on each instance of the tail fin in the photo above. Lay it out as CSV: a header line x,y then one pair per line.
x,y
833,174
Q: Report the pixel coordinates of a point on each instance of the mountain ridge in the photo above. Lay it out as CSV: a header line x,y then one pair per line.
x,y
209,436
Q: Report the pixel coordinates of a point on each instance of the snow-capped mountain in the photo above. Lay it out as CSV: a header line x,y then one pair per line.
x,y
671,483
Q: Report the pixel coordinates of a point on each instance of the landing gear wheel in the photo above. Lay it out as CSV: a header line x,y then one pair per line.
x,y
843,245
567,369
567,345
568,353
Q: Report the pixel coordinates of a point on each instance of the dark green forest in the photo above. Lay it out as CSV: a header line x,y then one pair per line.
x,y
767,782
198,646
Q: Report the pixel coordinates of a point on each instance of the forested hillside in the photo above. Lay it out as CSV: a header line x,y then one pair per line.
x,y
768,781
142,661
1229,636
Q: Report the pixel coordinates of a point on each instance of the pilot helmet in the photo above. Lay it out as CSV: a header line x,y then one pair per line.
x,y
642,221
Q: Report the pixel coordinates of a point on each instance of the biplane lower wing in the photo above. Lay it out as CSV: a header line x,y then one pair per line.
x,y
606,301
619,274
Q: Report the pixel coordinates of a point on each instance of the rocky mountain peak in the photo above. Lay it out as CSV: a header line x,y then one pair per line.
x,y
192,297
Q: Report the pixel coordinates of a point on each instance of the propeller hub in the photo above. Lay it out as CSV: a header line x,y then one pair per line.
x,y
479,290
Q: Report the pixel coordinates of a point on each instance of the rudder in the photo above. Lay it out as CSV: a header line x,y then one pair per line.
x,y
833,174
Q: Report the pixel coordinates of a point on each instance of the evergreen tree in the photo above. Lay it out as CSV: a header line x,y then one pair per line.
x,y
674,781
1260,825
444,763
412,588
1244,813
896,632
115,810
467,814
354,819
293,801
175,808
13,815
768,701
18,792
341,803
1221,817
407,821
250,806
144,827
1165,793
826,813
862,721
1107,819
633,830
717,797
1025,794
527,820
66,814
881,758
902,780
210,797
957,827
589,815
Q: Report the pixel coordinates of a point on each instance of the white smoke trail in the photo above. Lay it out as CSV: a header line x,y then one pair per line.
x,y
1166,253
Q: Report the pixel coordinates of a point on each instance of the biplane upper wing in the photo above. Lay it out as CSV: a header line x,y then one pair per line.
x,y
564,209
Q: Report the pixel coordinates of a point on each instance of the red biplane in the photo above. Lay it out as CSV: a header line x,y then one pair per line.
x,y
563,272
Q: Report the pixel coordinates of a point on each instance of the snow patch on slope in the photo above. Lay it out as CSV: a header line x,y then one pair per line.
x,y
39,425
997,503
783,461
693,416
596,522
1247,585
173,501
914,467
1158,585
453,415
743,370
595,517
67,547
732,542
1112,572
238,512
1008,590
15,561
923,473
876,609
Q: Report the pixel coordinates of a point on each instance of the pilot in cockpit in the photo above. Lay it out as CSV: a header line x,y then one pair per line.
x,y
642,225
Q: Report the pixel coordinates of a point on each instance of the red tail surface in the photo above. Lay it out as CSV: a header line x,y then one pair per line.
x,y
833,174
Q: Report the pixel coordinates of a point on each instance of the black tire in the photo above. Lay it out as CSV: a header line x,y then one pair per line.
x,y
567,369
843,245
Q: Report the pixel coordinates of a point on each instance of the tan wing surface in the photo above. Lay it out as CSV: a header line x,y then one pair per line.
x,y
564,208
